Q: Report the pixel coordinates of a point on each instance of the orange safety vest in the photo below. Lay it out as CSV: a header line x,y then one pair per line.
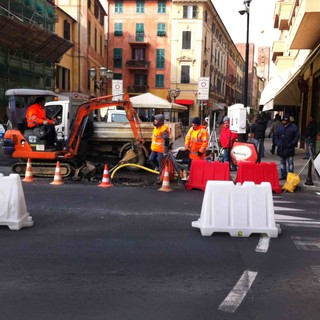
x,y
197,140
36,115
157,144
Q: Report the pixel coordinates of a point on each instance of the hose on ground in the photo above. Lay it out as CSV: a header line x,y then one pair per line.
x,y
133,165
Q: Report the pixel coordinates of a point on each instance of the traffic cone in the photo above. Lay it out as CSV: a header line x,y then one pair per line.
x,y
57,175
105,179
166,181
28,177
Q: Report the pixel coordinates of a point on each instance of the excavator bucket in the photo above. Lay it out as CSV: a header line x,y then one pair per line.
x,y
129,156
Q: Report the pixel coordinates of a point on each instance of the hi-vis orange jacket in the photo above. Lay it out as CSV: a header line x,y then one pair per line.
x,y
197,141
36,115
158,138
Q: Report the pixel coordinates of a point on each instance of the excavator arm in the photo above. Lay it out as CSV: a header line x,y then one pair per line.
x,y
82,115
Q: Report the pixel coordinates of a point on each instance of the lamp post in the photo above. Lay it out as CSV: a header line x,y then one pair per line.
x,y
246,10
105,76
174,93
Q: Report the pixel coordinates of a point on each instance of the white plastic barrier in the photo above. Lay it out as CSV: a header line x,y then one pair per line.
x,y
237,209
13,209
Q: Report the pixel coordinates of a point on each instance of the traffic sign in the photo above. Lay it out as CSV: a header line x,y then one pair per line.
x,y
203,88
117,90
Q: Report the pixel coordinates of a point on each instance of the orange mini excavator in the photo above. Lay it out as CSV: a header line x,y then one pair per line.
x,y
24,145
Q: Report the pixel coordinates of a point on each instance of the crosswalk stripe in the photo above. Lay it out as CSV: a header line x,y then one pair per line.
x,y
239,291
306,243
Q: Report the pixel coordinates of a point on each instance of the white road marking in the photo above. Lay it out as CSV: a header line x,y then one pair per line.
x,y
239,291
316,272
307,243
282,217
263,244
286,209
304,224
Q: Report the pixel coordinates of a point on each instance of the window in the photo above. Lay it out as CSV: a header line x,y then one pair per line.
x,y
140,79
186,39
118,29
160,59
139,32
89,33
101,45
161,6
140,6
63,78
117,76
117,57
185,74
118,6
66,30
161,29
190,12
95,39
159,81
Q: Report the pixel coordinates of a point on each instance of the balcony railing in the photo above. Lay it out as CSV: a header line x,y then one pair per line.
x,y
138,89
137,64
139,38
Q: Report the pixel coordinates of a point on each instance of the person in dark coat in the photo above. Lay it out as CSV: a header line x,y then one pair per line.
x,y
274,127
287,136
258,129
311,134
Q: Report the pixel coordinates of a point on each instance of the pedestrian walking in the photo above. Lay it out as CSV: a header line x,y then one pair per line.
x,y
287,136
310,135
276,123
258,131
227,138
196,141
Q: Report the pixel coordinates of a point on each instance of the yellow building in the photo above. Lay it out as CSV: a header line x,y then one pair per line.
x,y
83,22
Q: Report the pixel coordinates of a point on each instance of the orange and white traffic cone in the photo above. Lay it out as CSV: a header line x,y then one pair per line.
x,y
105,178
28,177
166,181
57,175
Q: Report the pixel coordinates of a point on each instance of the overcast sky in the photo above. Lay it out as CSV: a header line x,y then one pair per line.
x,y
261,30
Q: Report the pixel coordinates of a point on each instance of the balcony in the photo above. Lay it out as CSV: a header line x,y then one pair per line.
x,y
138,39
137,64
304,32
277,49
282,15
138,89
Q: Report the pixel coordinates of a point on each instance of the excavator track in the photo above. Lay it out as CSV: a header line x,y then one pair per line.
x,y
43,169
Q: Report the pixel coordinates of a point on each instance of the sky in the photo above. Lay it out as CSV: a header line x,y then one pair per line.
x,y
261,30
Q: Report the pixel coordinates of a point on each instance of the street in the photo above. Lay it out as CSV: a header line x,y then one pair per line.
x,y
129,252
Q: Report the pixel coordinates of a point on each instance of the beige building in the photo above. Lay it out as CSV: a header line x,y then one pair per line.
x,y
297,60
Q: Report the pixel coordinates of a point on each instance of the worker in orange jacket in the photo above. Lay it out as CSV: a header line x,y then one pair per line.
x,y
196,141
36,117
160,141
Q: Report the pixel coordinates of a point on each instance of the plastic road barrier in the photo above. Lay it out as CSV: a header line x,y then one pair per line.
x,y
259,172
201,171
13,209
237,209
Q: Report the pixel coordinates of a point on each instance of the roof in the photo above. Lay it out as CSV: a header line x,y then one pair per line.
x,y
29,37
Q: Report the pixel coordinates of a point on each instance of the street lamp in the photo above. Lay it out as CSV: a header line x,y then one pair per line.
x,y
105,76
174,93
246,10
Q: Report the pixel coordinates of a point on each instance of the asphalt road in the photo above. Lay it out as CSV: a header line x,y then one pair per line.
x,y
129,252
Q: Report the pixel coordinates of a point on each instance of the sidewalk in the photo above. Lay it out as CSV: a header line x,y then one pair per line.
x,y
299,163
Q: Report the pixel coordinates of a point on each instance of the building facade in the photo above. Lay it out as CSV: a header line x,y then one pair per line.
x,y
29,46
297,60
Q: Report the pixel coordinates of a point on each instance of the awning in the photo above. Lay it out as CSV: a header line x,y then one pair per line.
x,y
31,38
280,91
185,102
217,106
